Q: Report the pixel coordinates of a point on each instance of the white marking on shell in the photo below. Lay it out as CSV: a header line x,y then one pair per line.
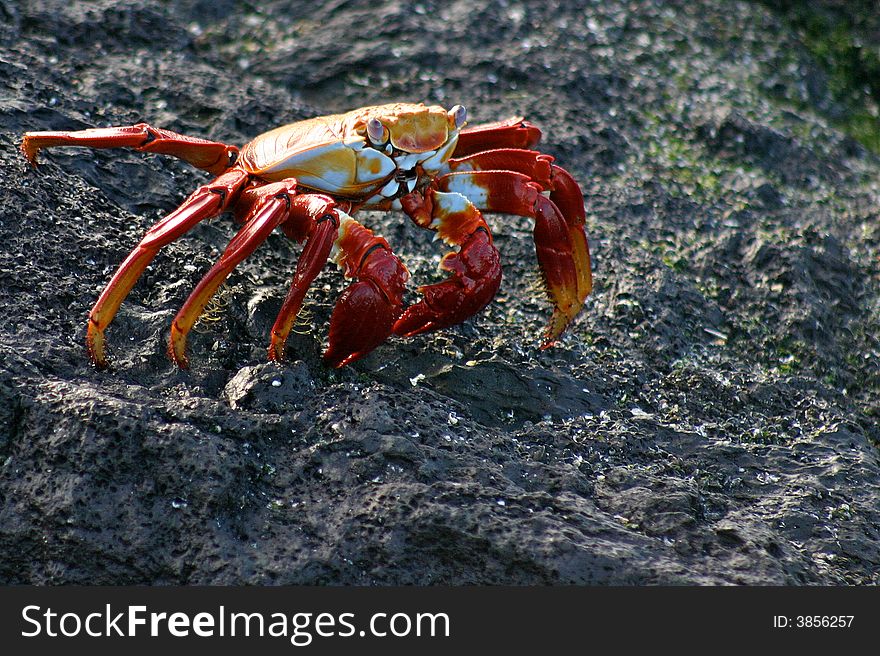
x,y
373,166
336,167
310,166
331,181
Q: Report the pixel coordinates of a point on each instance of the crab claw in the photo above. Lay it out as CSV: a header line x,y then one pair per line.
x,y
362,319
475,269
476,275
366,311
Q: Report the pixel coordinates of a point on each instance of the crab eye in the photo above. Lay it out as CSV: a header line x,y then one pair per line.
x,y
459,113
376,131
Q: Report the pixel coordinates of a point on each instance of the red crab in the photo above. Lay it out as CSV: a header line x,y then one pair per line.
x,y
309,178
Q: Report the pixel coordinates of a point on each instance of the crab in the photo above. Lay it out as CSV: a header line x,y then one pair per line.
x,y
311,177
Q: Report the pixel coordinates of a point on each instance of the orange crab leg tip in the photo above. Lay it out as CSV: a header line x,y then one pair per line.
x,y
281,329
177,346
561,284
568,279
277,344
33,142
29,149
559,321
95,345
566,302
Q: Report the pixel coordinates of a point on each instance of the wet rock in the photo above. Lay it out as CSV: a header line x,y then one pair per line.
x,y
270,387
500,393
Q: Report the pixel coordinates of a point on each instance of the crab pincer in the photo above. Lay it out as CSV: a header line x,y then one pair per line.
x,y
365,312
475,270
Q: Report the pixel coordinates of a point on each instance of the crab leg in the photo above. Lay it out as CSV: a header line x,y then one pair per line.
x,y
366,311
207,201
560,245
316,218
532,163
212,156
564,191
268,209
511,133
475,269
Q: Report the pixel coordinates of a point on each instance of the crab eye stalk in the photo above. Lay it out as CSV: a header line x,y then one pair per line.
x,y
459,113
376,131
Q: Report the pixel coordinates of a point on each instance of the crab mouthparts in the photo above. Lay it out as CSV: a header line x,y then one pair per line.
x,y
401,184
407,180
406,177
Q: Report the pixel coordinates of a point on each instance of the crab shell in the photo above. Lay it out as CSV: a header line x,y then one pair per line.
x,y
367,155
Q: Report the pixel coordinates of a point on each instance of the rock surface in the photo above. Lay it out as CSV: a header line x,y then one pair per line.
x,y
710,418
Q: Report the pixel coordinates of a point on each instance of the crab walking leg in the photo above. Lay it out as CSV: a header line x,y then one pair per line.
x,y
511,133
532,163
366,311
207,201
475,270
564,193
562,255
318,218
212,156
269,211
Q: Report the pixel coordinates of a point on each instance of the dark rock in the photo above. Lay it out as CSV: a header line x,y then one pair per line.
x,y
710,418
